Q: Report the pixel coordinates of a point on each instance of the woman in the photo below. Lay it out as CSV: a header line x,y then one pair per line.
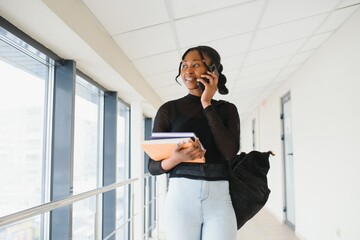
x,y
198,204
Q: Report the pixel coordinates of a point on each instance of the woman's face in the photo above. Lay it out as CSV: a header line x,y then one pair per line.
x,y
191,69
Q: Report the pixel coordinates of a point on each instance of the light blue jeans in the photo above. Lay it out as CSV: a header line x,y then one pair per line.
x,y
199,210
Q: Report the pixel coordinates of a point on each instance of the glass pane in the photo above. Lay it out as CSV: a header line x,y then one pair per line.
x,y
28,229
122,172
84,219
22,112
123,141
87,137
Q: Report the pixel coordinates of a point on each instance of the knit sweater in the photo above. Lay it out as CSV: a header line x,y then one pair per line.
x,y
217,127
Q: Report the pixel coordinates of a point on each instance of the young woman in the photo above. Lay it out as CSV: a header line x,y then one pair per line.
x,y
198,204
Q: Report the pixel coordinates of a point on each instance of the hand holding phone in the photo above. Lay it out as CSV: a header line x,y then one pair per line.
x,y
212,69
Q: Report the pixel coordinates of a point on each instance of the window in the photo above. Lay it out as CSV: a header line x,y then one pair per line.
x,y
122,171
33,157
87,156
23,102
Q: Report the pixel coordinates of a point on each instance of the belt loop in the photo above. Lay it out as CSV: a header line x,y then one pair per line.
x,y
205,188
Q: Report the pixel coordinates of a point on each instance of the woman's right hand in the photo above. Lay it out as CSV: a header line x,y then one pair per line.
x,y
183,154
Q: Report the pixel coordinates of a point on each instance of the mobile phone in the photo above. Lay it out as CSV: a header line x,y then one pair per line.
x,y
213,69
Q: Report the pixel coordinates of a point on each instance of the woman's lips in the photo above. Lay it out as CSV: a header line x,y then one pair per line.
x,y
190,79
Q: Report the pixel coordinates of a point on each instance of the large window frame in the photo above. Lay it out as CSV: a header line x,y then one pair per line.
x,y
88,158
58,144
27,131
123,166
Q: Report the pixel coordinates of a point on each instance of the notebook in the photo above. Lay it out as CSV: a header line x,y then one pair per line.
x,y
162,144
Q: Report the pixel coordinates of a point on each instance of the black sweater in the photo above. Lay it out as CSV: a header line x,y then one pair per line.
x,y
217,127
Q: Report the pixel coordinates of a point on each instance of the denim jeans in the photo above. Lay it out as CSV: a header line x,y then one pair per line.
x,y
199,210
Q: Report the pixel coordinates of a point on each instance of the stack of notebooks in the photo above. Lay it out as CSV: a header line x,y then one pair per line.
x,y
162,144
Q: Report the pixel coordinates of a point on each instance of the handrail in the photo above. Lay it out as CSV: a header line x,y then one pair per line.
x,y
46,207
147,175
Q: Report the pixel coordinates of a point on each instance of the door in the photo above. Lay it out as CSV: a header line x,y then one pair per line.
x,y
289,208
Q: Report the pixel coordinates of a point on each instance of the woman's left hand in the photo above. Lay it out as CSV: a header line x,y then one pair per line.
x,y
210,88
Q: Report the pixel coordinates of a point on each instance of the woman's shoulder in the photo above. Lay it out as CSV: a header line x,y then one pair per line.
x,y
223,103
225,107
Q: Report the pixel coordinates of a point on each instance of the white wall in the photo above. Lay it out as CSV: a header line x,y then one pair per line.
x,y
325,98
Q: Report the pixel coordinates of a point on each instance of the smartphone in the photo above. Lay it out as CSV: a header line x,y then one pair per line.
x,y
213,69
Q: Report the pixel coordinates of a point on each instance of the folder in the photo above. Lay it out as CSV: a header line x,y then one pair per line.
x,y
162,145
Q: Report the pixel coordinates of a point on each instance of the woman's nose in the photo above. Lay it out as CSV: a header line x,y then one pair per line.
x,y
189,70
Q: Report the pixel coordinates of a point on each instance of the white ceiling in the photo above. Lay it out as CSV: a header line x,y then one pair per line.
x,y
262,42
138,44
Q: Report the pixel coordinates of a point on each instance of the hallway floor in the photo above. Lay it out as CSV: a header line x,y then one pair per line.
x,y
265,226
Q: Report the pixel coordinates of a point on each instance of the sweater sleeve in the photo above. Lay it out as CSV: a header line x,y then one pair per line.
x,y
226,132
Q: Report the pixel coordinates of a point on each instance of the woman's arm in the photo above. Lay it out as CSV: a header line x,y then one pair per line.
x,y
227,132
179,155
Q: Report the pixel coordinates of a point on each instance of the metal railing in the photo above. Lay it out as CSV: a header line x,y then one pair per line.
x,y
47,207
152,203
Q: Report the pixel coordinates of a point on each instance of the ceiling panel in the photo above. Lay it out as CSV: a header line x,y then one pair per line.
x,y
287,32
274,52
315,41
186,8
147,41
219,24
245,93
288,70
346,3
264,67
300,58
158,63
123,16
336,19
281,11
233,62
163,79
232,45
257,79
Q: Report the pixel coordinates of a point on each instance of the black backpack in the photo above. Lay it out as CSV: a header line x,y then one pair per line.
x,y
248,184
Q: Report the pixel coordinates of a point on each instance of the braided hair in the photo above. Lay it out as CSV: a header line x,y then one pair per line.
x,y
215,59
